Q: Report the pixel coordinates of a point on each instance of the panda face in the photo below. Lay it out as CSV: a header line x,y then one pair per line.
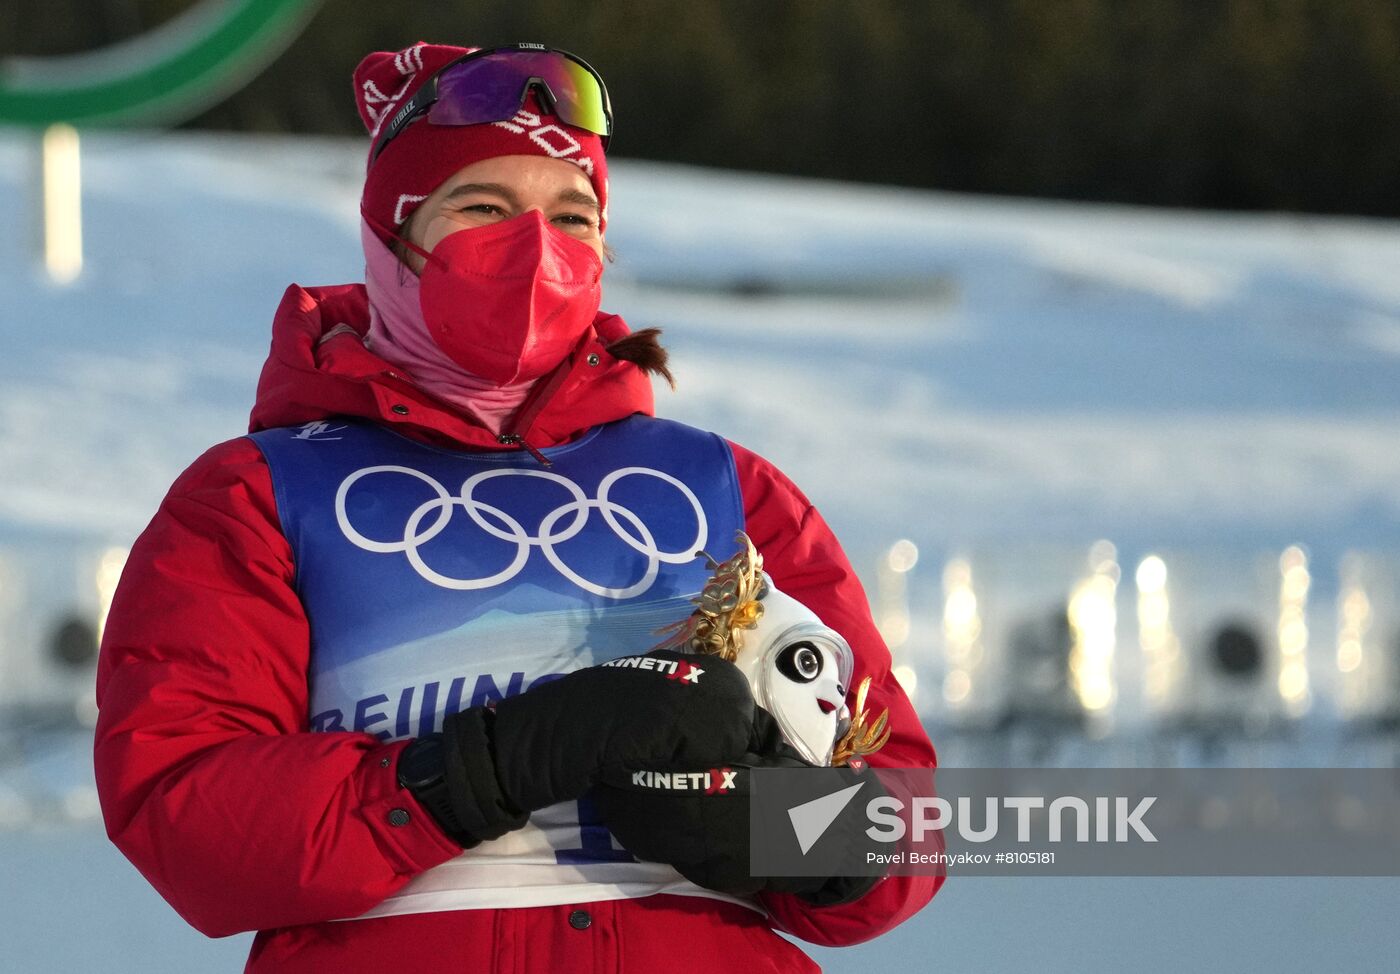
x,y
798,669
803,690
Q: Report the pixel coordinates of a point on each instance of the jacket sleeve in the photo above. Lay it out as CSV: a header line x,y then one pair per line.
x,y
804,560
209,780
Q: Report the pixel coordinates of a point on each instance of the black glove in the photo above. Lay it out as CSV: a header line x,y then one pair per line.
x,y
553,742
704,831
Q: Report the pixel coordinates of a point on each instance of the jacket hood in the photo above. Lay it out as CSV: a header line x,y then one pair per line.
x,y
319,368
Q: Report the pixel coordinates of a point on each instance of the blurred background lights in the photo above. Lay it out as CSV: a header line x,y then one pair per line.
x,y
1151,575
893,616
902,556
1367,655
1355,624
1093,619
956,686
1293,631
908,679
1160,648
962,630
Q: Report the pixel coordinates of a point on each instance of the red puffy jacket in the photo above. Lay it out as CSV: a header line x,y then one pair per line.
x,y
212,785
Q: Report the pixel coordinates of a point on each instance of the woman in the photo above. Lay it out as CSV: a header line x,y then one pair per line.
x,y
350,704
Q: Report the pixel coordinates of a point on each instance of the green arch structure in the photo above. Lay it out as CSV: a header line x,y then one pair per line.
x,y
161,77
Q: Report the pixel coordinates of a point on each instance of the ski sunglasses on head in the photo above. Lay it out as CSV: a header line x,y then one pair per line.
x,y
490,85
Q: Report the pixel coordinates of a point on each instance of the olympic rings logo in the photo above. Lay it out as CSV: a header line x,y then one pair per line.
x,y
497,523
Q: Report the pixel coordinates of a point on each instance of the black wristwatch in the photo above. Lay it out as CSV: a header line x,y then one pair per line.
x,y
423,771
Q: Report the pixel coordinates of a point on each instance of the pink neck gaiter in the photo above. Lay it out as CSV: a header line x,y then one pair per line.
x,y
399,335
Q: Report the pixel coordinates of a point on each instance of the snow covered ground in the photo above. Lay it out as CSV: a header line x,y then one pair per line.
x,y
971,374
993,369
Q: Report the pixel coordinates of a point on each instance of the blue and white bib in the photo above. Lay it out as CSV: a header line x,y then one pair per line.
x,y
436,580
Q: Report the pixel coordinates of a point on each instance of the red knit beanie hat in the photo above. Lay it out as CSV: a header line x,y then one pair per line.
x,y
423,155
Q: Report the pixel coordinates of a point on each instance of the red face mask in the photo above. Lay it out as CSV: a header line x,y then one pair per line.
x,y
511,300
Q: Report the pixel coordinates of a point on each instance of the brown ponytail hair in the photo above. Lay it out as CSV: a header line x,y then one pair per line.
x,y
644,350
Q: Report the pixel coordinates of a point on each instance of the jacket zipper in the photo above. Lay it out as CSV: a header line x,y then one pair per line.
x,y
534,404
515,439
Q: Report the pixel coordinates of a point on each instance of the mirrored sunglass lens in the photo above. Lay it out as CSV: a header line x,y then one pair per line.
x,y
475,92
489,89
579,95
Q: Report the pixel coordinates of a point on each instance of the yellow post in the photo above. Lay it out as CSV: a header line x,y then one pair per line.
x,y
63,204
